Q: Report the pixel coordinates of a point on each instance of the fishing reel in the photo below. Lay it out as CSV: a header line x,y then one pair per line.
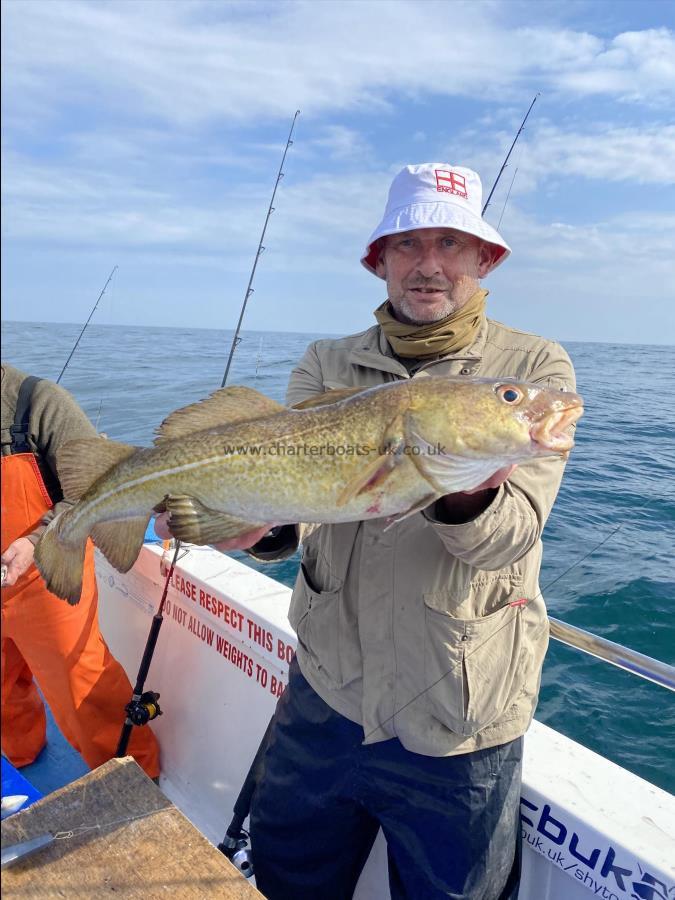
x,y
235,847
143,710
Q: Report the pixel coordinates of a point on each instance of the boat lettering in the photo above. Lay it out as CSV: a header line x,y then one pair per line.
x,y
276,686
221,610
265,639
229,651
259,635
598,868
187,588
285,651
234,655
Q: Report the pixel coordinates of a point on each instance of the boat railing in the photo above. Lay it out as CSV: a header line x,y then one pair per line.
x,y
624,658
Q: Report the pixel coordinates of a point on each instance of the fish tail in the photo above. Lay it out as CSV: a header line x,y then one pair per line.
x,y
61,564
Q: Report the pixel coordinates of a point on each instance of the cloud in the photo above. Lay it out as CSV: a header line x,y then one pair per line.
x,y
634,66
339,142
551,155
68,203
193,63
157,129
73,203
605,152
604,281
637,243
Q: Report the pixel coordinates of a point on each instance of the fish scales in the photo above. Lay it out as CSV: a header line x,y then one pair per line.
x,y
224,469
379,453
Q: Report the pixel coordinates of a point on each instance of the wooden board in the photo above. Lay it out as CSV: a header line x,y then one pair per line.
x,y
142,848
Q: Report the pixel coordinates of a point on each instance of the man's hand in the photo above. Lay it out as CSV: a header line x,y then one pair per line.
x,y
242,542
161,526
455,509
499,477
18,558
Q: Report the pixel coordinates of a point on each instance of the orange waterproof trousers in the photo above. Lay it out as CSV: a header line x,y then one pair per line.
x,y
61,645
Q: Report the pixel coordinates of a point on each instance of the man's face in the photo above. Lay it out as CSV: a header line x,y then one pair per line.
x,y
432,272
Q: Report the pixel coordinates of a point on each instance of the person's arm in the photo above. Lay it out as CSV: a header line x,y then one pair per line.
x,y
457,509
497,524
55,420
306,378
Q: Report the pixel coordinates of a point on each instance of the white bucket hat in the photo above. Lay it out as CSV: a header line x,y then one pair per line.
x,y
435,195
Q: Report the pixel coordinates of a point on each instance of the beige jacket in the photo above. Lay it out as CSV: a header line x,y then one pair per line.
x,y
411,632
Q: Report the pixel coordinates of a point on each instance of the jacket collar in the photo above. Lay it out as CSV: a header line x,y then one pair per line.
x,y
374,352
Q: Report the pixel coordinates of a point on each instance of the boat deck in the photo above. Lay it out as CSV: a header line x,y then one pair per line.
x,y
113,830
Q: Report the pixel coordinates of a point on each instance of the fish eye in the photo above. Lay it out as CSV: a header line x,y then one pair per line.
x,y
510,394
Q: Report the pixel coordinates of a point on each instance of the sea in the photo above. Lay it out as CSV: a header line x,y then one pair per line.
x,y
609,546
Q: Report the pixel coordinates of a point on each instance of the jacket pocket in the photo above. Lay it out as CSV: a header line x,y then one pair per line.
x,y
315,617
471,666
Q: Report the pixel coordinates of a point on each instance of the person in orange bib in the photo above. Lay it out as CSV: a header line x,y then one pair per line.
x,y
44,637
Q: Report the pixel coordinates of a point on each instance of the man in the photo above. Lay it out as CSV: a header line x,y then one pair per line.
x,y
42,636
419,647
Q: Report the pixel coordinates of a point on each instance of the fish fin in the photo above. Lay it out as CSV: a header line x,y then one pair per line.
x,y
377,471
61,565
417,507
120,540
192,522
223,407
82,462
452,472
372,476
328,397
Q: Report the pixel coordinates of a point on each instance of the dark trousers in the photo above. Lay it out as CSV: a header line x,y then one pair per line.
x,y
451,823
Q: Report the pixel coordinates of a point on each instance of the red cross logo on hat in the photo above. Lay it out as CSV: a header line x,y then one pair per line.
x,y
451,183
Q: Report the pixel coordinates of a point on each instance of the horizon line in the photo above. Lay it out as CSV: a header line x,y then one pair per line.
x,y
287,331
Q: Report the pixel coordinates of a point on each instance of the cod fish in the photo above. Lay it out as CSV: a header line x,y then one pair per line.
x,y
238,460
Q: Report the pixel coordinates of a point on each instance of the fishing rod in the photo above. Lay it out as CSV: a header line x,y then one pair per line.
x,y
143,706
84,328
522,125
508,194
249,289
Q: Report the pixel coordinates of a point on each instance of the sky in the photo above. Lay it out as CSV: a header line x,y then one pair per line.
x,y
148,136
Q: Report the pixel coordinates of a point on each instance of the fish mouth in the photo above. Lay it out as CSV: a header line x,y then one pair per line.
x,y
551,432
